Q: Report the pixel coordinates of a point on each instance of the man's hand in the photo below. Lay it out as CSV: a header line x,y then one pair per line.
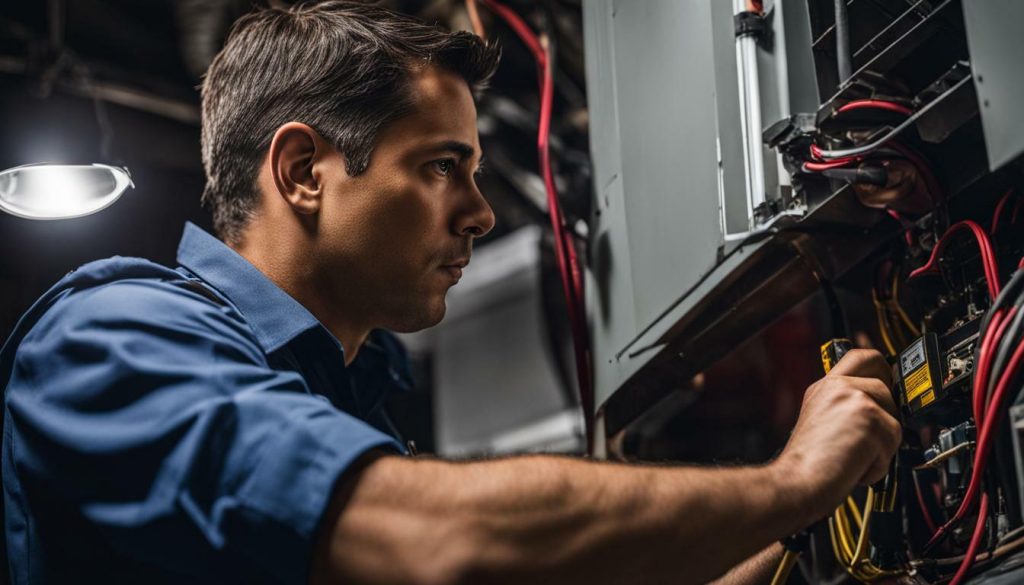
x,y
847,432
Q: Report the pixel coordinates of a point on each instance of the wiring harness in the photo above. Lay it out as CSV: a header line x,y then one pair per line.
x,y
997,376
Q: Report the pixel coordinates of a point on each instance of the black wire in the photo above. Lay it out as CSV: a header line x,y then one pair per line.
x,y
835,309
1011,337
1006,345
844,61
1010,290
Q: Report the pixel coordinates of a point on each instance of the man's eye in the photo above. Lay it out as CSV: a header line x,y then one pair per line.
x,y
444,166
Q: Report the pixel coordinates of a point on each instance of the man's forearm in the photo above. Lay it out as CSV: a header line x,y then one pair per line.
x,y
509,520
757,570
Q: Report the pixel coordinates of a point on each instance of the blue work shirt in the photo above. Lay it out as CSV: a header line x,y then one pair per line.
x,y
183,425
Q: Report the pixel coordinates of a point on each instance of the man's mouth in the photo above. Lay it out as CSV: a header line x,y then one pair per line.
x,y
454,269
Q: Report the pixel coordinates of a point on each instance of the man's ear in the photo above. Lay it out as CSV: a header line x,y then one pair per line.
x,y
294,150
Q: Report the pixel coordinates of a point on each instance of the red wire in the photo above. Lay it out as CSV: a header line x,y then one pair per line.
x,y
983,413
522,30
999,210
908,232
996,328
816,154
987,255
925,512
875,104
817,165
988,431
566,258
972,548
989,426
824,166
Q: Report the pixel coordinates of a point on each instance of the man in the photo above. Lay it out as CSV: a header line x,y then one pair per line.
x,y
221,422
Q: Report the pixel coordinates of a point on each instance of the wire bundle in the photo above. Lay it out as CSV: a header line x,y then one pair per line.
x,y
998,360
988,256
569,269
822,161
849,529
893,322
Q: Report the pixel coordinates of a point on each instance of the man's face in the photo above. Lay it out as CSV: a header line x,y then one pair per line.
x,y
396,237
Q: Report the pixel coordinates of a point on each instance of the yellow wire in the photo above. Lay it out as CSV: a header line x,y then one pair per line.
x,y
853,557
844,536
868,505
894,326
914,330
881,326
785,567
854,510
834,537
890,502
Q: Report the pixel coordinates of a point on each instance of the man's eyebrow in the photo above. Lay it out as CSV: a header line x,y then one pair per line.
x,y
461,149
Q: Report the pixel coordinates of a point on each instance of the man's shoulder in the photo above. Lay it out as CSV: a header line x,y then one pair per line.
x,y
129,292
123,306
120,285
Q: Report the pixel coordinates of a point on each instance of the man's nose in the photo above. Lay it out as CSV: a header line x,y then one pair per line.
x,y
477,218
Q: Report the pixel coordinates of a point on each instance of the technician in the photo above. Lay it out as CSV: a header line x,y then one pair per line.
x,y
221,422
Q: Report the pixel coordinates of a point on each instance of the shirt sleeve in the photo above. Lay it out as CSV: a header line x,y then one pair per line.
x,y
153,413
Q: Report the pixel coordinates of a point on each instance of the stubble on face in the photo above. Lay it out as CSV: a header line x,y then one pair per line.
x,y
390,242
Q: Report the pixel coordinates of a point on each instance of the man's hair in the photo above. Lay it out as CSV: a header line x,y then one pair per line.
x,y
343,68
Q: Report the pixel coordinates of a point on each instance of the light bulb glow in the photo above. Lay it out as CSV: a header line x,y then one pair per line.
x,y
53,191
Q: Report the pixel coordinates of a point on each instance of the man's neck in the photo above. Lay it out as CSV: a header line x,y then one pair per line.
x,y
302,287
351,337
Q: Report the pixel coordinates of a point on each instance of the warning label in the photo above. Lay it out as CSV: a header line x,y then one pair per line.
x,y
927,398
918,382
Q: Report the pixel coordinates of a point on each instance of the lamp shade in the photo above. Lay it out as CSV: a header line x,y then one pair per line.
x,y
59,191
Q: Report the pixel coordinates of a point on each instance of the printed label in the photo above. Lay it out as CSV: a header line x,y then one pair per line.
x,y
927,398
918,382
912,357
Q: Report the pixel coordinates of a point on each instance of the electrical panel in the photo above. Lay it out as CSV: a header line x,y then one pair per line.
x,y
889,191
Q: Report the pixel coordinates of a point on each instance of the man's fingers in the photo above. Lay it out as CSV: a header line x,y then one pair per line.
x,y
863,363
876,472
880,393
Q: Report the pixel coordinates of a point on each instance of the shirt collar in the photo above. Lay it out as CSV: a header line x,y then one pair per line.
x,y
275,317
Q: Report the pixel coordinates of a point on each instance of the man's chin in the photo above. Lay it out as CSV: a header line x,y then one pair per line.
x,y
424,319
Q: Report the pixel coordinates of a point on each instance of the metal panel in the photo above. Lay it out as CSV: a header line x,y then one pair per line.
x,y
666,105
996,44
661,74
667,148
610,289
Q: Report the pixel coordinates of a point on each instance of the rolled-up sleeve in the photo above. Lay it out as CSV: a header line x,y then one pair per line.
x,y
152,413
